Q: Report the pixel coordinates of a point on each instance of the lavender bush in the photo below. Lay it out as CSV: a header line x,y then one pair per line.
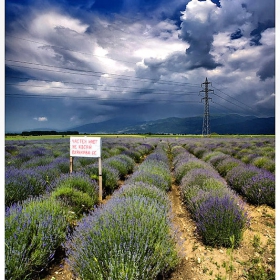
x,y
124,164
48,172
160,168
128,238
181,157
12,149
220,217
216,209
76,191
37,161
142,189
227,164
157,156
182,169
149,178
264,162
177,150
257,185
62,164
199,152
84,161
110,176
238,176
136,156
144,149
211,154
260,189
198,185
199,176
22,183
34,230
247,158
216,159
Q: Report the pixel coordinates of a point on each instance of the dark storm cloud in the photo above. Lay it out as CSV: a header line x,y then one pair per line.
x,y
198,28
236,35
256,34
266,106
123,51
267,70
200,41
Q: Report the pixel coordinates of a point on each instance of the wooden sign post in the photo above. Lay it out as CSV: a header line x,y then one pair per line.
x,y
87,147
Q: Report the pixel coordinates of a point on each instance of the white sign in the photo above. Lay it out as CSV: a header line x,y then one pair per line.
x,y
85,147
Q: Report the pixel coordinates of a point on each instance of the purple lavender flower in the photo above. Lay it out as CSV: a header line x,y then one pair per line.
x,y
260,189
238,176
22,183
225,165
128,237
150,178
33,232
219,218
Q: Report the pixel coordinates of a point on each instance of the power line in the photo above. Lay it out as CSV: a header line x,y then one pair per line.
x,y
220,105
122,77
91,73
95,98
85,84
86,74
66,49
232,102
91,89
84,53
232,97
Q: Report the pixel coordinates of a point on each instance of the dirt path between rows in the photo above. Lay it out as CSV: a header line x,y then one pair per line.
x,y
199,262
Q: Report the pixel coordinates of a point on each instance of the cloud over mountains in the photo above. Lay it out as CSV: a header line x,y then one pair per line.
x,y
90,61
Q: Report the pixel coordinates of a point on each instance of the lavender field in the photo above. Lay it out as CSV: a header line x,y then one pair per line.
x,y
53,215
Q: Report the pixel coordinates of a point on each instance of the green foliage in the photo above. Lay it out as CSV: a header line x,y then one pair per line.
x,y
259,272
219,218
34,231
158,168
207,156
264,162
110,176
84,161
226,165
144,190
78,181
134,241
78,201
184,168
124,164
76,191
199,152
115,151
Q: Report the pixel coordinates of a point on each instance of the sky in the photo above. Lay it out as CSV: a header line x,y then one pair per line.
x,y
69,63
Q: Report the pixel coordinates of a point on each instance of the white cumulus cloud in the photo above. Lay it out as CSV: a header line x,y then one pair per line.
x,y
41,119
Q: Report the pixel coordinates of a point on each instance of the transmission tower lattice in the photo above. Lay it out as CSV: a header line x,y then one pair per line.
x,y
206,117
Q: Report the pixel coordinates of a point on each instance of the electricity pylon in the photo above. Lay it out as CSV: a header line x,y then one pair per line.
x,y
206,117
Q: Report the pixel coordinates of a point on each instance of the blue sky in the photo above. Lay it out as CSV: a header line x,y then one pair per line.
x,y
69,63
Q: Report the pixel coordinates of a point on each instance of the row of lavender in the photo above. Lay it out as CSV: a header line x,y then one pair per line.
x,y
218,212
257,185
259,152
131,236
32,167
37,226
254,159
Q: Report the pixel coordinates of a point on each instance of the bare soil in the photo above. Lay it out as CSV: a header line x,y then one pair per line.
x,y
199,262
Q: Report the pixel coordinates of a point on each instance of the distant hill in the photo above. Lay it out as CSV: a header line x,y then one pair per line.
x,y
221,124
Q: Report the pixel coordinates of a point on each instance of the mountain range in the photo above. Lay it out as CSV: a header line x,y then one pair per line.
x,y
220,124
